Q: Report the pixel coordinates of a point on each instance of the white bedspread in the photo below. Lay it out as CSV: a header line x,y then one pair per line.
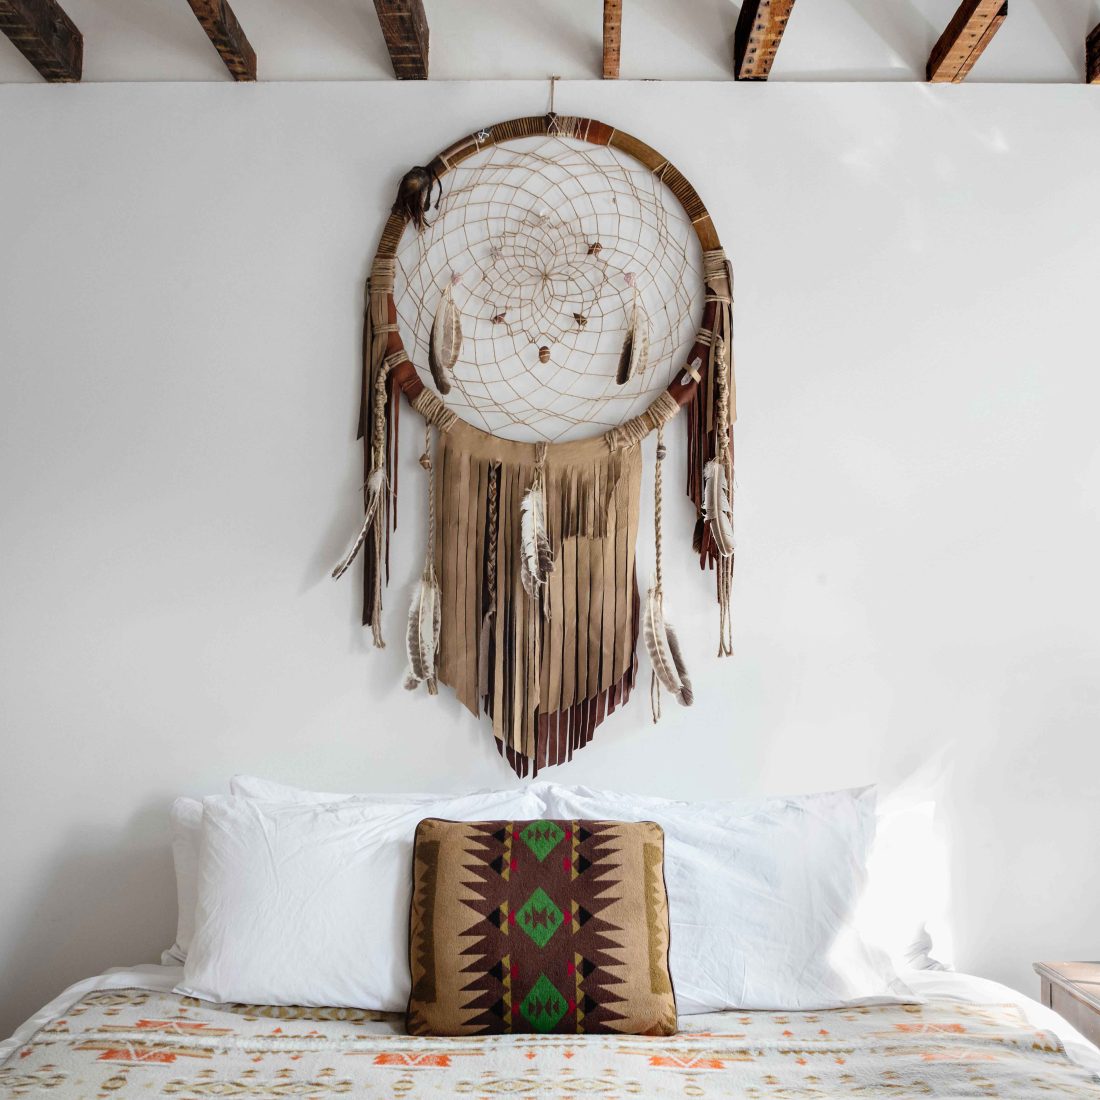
x,y
126,1034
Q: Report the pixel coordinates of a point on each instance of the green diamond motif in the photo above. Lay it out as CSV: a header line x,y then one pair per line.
x,y
539,917
542,837
544,1006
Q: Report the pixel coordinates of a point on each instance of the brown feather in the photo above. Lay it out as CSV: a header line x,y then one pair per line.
x,y
686,696
635,352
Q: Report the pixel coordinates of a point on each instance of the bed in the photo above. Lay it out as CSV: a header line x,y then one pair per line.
x,y
126,1034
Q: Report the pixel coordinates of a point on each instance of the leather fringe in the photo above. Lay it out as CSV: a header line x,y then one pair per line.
x,y
548,669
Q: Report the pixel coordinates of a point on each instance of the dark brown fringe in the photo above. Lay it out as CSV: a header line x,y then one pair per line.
x,y
561,733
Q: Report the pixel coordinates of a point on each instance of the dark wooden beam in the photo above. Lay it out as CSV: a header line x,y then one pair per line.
x,y
222,28
1092,56
760,26
45,36
405,29
966,36
612,37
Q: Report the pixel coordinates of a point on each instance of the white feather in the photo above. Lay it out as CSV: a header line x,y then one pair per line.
x,y
717,509
536,557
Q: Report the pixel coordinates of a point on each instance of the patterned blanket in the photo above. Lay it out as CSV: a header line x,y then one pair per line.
x,y
138,1043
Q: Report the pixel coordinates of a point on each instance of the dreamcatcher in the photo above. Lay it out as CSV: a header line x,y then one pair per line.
x,y
532,297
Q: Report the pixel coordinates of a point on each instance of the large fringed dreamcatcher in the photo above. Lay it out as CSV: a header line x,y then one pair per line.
x,y
547,292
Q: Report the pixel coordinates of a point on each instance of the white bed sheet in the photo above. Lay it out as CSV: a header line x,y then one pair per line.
x,y
931,984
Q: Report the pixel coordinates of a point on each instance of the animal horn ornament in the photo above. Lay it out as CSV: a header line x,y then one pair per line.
x,y
414,196
596,306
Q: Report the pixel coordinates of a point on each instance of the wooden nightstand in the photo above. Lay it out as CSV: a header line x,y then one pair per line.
x,y
1073,991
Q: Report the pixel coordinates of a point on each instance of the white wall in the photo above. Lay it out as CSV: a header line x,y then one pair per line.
x,y
919,509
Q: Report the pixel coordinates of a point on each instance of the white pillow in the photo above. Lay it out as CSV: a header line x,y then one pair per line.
x,y
308,904
186,817
761,896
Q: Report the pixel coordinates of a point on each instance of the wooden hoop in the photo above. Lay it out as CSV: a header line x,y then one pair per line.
x,y
404,373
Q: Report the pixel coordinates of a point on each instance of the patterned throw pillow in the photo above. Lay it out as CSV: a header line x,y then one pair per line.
x,y
539,926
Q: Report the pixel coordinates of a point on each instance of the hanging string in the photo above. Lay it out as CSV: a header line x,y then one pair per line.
x,y
427,464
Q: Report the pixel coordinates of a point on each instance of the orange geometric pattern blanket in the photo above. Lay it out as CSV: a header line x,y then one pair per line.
x,y
133,1043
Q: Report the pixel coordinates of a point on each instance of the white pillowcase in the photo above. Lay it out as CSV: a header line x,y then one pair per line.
x,y
761,897
186,818
308,903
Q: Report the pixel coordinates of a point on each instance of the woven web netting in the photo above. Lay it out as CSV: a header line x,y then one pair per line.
x,y
549,236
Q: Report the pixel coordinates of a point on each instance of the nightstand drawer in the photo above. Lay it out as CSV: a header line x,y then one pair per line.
x,y
1079,1013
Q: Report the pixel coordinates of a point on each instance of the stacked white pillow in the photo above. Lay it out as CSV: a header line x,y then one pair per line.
x,y
762,897
307,903
299,897
186,817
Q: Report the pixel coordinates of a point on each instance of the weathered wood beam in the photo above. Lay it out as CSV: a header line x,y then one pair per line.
x,y
1092,56
222,28
45,36
612,37
405,29
760,26
964,40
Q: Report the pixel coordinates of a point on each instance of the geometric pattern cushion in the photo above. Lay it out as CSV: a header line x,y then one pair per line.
x,y
539,926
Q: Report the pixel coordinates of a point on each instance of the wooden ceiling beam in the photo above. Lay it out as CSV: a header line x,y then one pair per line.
x,y
612,37
405,29
222,28
45,36
760,26
964,40
1092,56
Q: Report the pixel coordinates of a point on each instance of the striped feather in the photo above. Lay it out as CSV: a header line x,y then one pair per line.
x,y
445,341
664,650
376,493
717,509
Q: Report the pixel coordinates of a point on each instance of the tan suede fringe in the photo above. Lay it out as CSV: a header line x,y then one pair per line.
x,y
549,678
